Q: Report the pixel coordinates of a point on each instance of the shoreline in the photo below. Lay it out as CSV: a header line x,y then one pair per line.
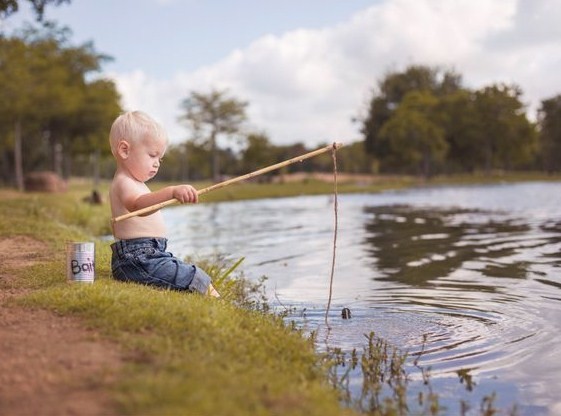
x,y
213,348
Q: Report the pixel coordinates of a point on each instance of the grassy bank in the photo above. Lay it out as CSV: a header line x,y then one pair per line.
x,y
185,353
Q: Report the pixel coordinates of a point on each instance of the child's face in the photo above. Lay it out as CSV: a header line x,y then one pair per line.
x,y
144,157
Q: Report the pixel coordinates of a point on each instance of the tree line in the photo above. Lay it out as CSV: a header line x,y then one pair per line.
x,y
56,111
419,121
52,114
423,121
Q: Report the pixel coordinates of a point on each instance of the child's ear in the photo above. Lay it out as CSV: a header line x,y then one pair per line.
x,y
123,149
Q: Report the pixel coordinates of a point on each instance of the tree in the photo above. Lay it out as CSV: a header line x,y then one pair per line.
x,y
413,138
9,7
483,129
59,92
258,153
49,101
392,90
88,126
458,117
549,119
352,158
508,138
211,116
15,79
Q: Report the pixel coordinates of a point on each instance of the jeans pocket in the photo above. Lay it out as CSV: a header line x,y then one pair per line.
x,y
143,254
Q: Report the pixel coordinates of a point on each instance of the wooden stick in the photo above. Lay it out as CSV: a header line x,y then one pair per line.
x,y
161,205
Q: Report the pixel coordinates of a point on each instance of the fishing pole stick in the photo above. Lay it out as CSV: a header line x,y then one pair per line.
x,y
258,172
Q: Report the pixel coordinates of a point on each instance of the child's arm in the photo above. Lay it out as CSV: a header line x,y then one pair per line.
x,y
183,193
136,195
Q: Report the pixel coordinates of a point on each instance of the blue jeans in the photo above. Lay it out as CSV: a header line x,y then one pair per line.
x,y
145,261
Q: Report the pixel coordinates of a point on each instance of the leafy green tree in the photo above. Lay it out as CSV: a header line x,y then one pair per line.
x,y
549,119
211,116
88,126
59,90
415,141
51,105
15,81
352,158
391,92
184,162
290,151
258,153
174,166
508,138
197,157
457,115
483,129
9,7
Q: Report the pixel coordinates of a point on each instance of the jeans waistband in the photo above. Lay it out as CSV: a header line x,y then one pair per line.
x,y
123,246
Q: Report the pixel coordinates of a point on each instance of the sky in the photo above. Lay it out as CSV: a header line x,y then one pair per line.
x,y
307,68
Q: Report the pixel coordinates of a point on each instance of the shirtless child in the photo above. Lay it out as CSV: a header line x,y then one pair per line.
x,y
138,144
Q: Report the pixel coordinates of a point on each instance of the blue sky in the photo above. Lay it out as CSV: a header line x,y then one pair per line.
x,y
164,36
308,67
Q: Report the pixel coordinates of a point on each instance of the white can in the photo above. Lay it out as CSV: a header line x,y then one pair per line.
x,y
80,262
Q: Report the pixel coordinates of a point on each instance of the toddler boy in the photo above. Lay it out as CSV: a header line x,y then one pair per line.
x,y
138,144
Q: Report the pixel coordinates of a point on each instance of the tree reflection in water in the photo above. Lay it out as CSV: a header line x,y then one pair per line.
x,y
414,245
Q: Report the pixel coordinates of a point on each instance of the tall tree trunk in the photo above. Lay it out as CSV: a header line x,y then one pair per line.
x,y
18,162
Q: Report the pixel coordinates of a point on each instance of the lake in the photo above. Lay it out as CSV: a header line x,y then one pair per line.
x,y
474,270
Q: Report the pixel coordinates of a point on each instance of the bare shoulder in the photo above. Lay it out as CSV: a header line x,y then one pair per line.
x,y
124,191
125,185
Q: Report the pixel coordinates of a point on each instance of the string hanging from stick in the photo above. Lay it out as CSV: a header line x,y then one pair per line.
x,y
335,230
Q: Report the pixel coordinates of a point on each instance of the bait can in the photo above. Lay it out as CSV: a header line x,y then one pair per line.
x,y
80,262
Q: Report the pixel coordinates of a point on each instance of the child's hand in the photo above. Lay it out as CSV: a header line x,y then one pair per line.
x,y
185,193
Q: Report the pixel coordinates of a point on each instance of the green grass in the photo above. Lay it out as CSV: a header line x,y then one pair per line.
x,y
186,354
196,353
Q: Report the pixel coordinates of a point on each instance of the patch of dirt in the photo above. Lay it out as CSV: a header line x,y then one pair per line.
x,y
18,252
21,251
49,364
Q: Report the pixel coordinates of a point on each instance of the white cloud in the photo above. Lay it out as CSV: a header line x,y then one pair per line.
x,y
306,85
159,98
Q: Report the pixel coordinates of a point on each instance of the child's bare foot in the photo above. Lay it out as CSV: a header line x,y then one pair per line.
x,y
212,291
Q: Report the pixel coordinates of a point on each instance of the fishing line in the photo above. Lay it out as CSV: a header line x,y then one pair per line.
x,y
336,221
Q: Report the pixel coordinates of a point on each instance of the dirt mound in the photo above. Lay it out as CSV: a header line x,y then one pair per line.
x,y
44,182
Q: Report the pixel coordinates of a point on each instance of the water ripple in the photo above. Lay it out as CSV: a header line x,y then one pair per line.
x,y
475,272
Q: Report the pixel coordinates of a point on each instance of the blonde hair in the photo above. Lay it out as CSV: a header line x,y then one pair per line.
x,y
133,127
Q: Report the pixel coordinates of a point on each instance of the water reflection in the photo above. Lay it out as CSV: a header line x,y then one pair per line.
x,y
414,246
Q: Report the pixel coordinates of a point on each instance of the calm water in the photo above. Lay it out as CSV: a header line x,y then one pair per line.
x,y
475,269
